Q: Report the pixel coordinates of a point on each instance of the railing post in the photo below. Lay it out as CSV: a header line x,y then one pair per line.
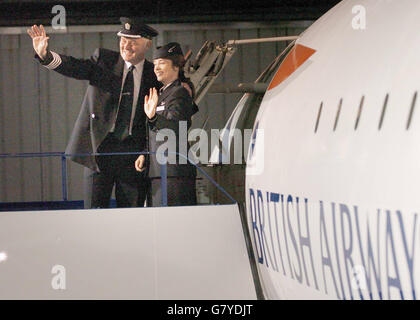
x,y
164,184
64,176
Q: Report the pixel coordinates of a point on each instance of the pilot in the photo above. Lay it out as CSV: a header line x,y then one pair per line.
x,y
165,109
112,117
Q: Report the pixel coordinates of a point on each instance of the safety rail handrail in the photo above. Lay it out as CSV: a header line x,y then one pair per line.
x,y
64,156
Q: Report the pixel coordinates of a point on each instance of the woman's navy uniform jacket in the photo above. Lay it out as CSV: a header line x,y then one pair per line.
x,y
174,106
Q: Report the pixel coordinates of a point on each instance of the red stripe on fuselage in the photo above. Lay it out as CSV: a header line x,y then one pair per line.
x,y
296,57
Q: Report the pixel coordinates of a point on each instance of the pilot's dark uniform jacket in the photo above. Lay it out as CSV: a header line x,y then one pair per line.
x,y
174,105
96,127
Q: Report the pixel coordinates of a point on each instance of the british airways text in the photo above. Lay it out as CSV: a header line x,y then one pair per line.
x,y
339,249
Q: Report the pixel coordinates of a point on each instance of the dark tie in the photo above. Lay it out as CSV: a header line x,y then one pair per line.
x,y
126,105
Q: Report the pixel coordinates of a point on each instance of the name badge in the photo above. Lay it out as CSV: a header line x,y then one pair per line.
x,y
160,108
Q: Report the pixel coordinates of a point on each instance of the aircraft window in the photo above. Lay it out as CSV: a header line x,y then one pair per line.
x,y
359,113
383,111
338,113
413,105
319,117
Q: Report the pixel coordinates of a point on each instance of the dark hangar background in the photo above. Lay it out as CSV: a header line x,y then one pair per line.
x,y
38,108
91,12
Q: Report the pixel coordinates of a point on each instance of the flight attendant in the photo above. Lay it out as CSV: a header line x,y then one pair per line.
x,y
166,109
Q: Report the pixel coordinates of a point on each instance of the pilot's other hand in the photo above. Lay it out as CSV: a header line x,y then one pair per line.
x,y
139,164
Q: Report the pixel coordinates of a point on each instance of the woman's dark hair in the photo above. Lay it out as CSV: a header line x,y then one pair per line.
x,y
179,61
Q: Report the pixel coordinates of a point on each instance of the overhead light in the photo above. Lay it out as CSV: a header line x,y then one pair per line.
x,y
3,256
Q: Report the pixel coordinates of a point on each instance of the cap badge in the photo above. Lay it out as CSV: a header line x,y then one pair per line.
x,y
171,49
127,26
